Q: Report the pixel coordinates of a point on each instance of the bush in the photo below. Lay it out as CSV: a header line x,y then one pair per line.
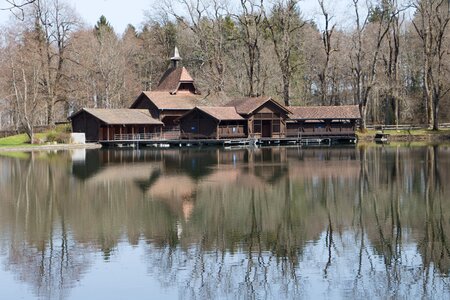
x,y
59,137
51,137
67,128
63,138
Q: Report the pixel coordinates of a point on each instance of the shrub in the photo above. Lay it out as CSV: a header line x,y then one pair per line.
x,y
63,138
67,128
51,137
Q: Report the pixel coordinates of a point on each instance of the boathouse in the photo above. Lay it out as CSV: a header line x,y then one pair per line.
x,y
174,113
323,121
266,118
208,122
175,95
115,124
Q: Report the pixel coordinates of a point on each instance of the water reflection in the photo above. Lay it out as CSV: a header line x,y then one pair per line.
x,y
252,223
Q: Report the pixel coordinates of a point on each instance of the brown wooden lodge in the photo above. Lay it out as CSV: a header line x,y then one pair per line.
x,y
175,113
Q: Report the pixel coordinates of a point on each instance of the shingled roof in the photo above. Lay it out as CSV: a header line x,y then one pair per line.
x,y
324,112
246,106
166,101
221,113
172,78
121,116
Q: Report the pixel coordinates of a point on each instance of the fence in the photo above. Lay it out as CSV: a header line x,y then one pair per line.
x,y
405,126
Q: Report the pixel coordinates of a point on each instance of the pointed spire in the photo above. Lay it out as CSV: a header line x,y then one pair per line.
x,y
176,58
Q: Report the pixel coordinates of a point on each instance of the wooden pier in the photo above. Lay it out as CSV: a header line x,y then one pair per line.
x,y
152,140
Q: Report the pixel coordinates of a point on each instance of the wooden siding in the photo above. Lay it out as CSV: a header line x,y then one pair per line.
x,y
268,121
321,128
87,124
96,130
199,125
168,117
144,103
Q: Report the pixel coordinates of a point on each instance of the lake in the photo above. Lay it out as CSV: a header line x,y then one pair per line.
x,y
214,223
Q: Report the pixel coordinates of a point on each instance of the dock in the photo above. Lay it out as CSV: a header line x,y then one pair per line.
x,y
137,142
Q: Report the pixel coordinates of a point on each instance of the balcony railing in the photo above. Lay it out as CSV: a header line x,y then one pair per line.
x,y
165,135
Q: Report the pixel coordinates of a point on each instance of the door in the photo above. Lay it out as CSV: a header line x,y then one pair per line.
x,y
266,129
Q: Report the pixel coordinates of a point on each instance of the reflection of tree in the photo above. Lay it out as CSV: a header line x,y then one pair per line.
x,y
40,248
236,229
405,203
434,247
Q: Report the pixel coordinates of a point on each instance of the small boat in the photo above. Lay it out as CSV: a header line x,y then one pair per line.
x,y
381,137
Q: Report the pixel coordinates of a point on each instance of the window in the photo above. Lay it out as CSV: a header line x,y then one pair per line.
x,y
263,116
257,127
276,126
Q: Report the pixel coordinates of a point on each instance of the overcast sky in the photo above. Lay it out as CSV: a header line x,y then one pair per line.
x,y
120,13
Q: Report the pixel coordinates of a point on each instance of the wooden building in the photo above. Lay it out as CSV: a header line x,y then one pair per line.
x,y
174,96
323,121
266,118
174,111
115,124
207,122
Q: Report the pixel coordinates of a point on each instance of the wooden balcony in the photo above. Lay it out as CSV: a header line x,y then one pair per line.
x,y
164,135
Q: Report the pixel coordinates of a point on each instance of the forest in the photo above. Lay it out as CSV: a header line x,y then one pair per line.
x,y
393,61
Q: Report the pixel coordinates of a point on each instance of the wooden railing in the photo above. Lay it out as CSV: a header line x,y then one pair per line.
x,y
196,136
318,132
405,126
397,127
165,135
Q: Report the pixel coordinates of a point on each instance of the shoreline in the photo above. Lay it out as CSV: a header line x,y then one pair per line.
x,y
394,137
56,147
362,138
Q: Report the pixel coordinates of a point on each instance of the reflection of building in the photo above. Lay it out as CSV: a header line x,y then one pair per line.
x,y
176,110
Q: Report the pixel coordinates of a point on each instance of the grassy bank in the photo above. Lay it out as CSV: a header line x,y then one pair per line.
x,y
60,135
20,140
414,135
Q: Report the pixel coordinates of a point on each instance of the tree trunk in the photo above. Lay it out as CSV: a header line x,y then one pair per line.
x,y
286,88
435,112
363,112
28,127
50,120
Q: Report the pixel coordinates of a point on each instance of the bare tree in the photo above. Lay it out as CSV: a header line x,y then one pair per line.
x,y
364,64
431,25
54,22
250,21
328,49
22,73
17,7
210,23
284,25
392,64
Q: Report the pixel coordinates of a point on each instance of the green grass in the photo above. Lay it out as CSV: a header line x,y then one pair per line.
x,y
15,141
22,140
406,132
20,155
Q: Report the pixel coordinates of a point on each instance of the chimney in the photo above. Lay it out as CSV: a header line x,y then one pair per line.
x,y
176,58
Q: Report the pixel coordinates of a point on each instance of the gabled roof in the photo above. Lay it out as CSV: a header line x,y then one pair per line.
x,y
120,116
220,113
324,112
166,101
246,106
172,78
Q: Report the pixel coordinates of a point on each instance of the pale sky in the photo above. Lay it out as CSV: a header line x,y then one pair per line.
x,y
120,13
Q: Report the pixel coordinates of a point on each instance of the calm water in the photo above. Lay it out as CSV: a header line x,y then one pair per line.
x,y
215,223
